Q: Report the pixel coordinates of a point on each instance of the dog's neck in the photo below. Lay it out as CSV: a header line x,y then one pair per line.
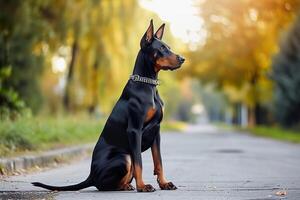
x,y
144,67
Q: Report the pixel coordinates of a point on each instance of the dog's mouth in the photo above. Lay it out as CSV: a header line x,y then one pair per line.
x,y
175,67
172,68
179,61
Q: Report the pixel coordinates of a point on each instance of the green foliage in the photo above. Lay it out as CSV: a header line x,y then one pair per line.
x,y
286,74
21,31
34,134
11,106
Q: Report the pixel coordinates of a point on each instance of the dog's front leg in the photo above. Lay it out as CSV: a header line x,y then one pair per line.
x,y
158,168
136,115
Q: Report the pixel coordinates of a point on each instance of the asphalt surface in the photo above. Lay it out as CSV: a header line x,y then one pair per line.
x,y
204,163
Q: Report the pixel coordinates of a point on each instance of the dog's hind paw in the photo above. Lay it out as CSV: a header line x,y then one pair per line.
x,y
127,187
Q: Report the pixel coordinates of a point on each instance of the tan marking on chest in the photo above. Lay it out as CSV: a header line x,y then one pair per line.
x,y
150,114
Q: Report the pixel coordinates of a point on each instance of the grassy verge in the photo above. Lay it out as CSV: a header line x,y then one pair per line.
x,y
275,133
176,126
38,134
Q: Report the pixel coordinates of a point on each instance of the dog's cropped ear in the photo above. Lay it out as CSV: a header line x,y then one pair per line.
x,y
148,36
160,32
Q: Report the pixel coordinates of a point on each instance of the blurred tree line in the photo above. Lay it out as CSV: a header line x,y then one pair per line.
x,y
70,55
76,56
242,38
286,74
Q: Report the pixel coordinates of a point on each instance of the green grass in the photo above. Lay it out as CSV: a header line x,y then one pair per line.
x,y
36,134
176,126
45,133
273,132
276,133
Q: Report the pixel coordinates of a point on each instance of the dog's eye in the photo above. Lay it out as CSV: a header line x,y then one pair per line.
x,y
162,48
157,54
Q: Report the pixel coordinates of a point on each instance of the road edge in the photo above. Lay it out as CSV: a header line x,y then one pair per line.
x,y
11,166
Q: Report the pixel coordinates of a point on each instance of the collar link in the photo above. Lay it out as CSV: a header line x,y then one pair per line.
x,y
142,79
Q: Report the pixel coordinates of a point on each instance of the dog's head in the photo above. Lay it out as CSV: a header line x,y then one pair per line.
x,y
158,51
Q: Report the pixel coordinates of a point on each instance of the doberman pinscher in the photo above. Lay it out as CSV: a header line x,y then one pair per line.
x,y
133,126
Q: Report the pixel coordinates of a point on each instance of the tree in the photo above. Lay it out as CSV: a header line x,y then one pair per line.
x,y
98,40
241,39
286,74
21,31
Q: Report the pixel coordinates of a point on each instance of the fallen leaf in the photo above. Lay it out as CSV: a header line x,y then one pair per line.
x,y
281,193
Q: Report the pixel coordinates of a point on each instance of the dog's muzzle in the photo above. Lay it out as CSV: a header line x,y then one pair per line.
x,y
180,59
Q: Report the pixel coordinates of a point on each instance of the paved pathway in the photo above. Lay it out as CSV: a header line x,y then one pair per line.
x,y
205,163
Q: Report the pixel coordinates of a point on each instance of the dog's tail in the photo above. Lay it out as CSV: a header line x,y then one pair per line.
x,y
79,186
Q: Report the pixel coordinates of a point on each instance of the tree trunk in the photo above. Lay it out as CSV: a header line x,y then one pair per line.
x,y
252,117
66,99
252,109
95,81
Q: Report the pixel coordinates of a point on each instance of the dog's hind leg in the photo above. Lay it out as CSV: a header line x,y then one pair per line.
x,y
115,174
126,180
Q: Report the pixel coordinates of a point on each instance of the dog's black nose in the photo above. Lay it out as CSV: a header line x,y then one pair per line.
x,y
180,59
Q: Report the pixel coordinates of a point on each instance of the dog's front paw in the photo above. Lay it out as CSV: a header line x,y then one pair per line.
x,y
146,188
167,186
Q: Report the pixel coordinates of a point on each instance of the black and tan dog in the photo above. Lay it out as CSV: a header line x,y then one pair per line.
x,y
133,126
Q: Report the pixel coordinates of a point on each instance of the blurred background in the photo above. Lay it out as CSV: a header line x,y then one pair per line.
x,y
64,64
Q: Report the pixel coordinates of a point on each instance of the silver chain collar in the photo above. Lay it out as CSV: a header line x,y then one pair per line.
x,y
142,79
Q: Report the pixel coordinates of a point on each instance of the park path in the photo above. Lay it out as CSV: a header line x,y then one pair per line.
x,y
204,162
